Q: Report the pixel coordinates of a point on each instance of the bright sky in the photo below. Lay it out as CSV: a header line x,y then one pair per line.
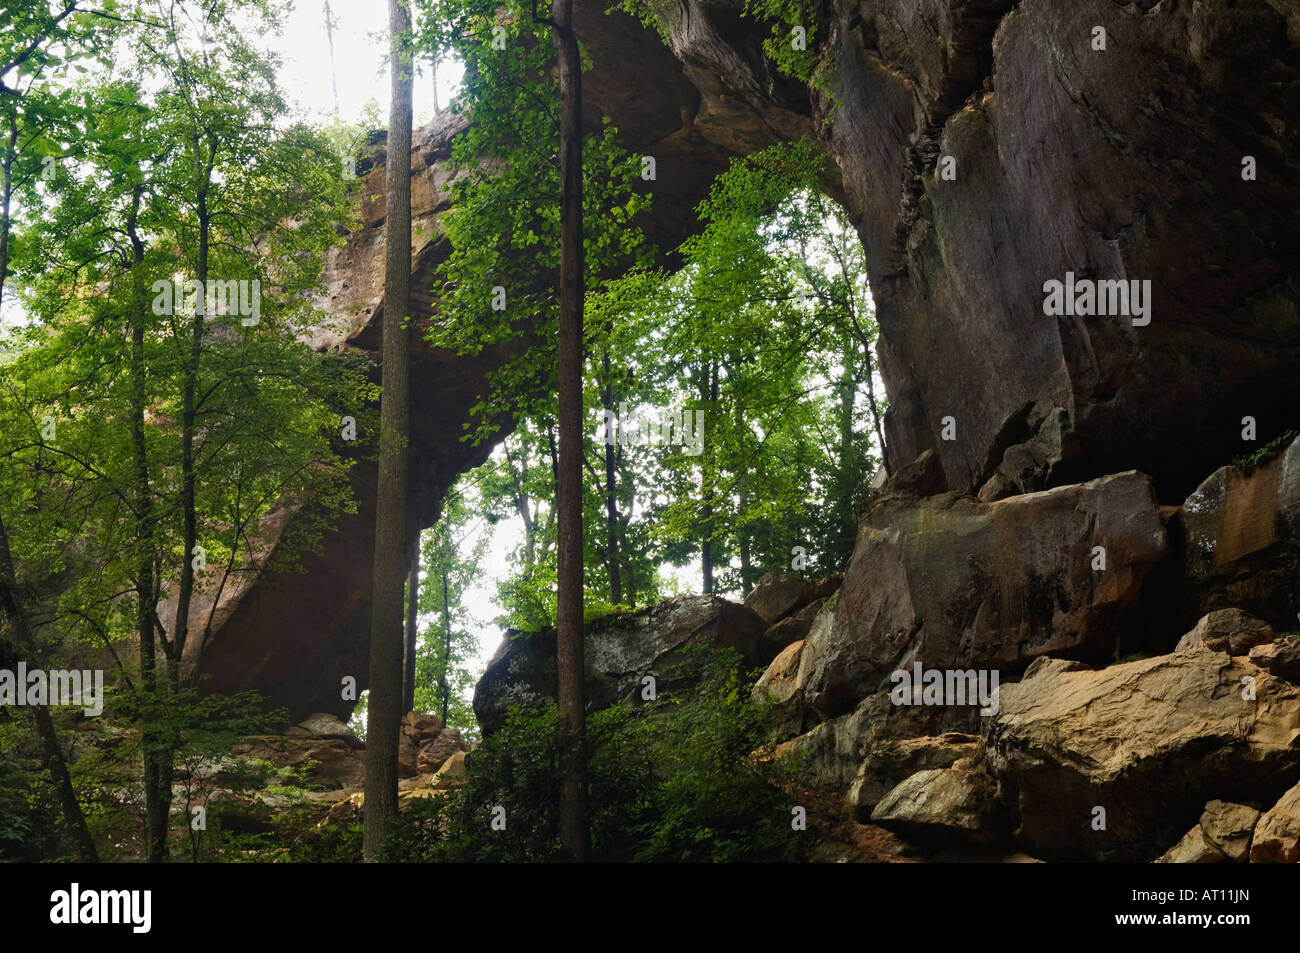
x,y
360,56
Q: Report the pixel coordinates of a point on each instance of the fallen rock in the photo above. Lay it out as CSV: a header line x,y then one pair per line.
x,y
1280,658
1194,848
1148,742
322,725
956,583
890,763
423,780
1229,827
779,683
1277,835
1227,630
452,773
420,727
335,763
345,812
435,752
943,804
776,596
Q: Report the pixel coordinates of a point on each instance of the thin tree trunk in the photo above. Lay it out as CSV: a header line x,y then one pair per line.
x,y
175,648
611,499
412,618
13,606
6,197
706,512
156,811
574,834
383,711
334,77
443,684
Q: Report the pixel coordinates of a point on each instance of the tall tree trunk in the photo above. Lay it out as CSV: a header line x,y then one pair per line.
x,y
744,533
443,684
12,603
334,76
611,499
574,834
848,491
6,198
412,619
175,648
710,394
155,808
384,708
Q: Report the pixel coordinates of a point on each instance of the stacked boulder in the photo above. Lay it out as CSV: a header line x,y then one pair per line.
x,y
1092,751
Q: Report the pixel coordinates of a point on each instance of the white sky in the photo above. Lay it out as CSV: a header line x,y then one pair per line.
x,y
360,55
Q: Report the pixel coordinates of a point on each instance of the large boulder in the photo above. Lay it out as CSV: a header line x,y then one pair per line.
x,y
662,642
322,725
1222,835
1235,543
1115,764
776,596
779,685
1194,848
954,582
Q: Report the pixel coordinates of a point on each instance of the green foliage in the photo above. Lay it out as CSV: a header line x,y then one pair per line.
x,y
784,16
450,566
675,780
170,162
1247,463
29,817
771,313
505,228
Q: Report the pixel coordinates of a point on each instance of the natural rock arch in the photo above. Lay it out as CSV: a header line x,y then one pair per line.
x,y
1122,163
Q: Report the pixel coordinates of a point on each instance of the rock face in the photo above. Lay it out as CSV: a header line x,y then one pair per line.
x,y
952,582
1119,155
621,651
